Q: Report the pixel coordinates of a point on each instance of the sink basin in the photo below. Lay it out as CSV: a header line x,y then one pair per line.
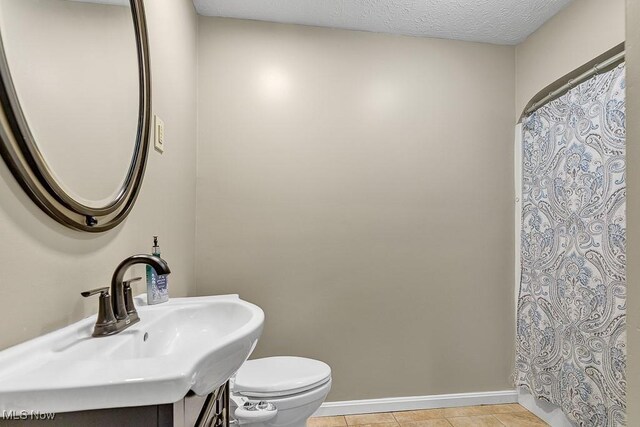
x,y
184,344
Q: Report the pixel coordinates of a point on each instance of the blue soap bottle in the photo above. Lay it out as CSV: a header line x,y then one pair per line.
x,y
157,285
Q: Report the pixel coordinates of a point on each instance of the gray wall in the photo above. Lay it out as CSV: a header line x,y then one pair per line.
x,y
633,210
358,187
45,266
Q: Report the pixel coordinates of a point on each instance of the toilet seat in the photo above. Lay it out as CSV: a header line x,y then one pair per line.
x,y
281,376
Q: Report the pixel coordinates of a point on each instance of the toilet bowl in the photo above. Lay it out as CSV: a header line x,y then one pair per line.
x,y
278,391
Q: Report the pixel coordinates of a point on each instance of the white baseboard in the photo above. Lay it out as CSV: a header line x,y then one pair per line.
x,y
368,406
547,412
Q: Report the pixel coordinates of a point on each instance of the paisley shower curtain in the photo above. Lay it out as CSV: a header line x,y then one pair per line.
x,y
571,342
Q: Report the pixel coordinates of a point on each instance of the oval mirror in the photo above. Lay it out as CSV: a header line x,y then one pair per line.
x,y
75,96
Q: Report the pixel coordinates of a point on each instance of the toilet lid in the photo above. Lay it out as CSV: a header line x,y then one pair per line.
x,y
280,376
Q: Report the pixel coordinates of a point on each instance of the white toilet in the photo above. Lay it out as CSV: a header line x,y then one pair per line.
x,y
279,391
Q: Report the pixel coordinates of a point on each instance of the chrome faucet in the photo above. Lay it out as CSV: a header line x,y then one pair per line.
x,y
117,311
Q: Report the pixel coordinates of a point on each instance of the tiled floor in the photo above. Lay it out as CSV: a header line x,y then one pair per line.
x,y
508,415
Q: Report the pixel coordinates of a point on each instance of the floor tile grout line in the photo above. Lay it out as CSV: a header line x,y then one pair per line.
x,y
494,416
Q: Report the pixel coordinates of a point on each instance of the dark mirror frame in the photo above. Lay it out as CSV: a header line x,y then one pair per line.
x,y
27,164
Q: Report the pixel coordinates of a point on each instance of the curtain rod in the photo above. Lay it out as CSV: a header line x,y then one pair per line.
x,y
577,80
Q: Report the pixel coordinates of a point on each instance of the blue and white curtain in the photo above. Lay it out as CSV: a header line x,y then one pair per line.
x,y
571,343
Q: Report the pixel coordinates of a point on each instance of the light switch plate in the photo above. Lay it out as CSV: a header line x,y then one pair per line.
x,y
158,134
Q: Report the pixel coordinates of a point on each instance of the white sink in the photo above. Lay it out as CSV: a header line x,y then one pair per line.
x,y
184,344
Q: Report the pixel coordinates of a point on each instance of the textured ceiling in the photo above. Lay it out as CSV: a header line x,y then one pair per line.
x,y
491,21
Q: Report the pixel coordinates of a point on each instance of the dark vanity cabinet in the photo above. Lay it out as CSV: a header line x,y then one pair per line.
x,y
191,411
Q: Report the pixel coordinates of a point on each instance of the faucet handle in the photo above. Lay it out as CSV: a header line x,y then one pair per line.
x,y
102,291
106,321
128,298
128,282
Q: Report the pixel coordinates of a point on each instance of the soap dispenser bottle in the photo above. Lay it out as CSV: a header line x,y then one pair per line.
x,y
157,285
